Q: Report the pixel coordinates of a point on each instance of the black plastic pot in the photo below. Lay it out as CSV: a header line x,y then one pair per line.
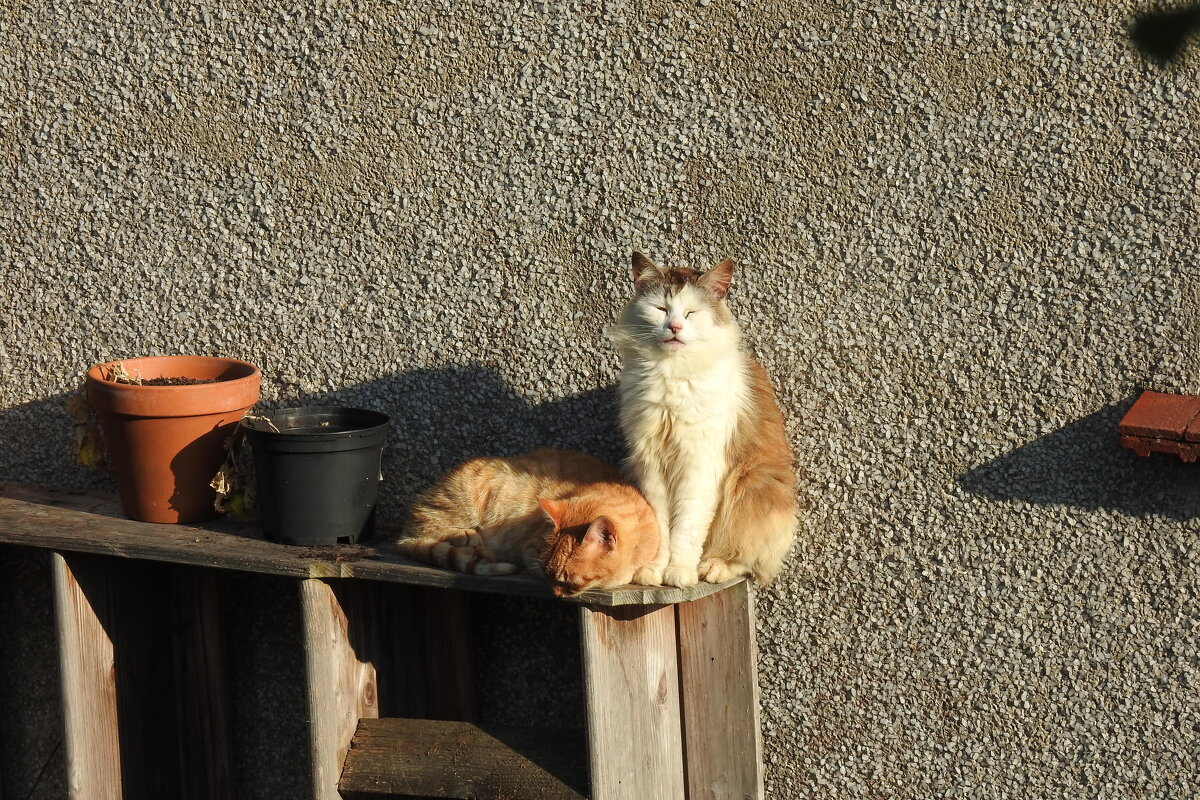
x,y
318,476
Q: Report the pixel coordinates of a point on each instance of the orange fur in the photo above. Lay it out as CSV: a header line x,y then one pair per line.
x,y
757,511
566,513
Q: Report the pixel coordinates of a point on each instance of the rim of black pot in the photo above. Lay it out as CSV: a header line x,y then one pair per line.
x,y
320,422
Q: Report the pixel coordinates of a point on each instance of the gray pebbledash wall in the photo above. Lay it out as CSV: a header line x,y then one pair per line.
x,y
966,236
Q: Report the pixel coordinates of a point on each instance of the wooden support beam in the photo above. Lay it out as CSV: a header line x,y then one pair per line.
x,y
719,685
341,683
631,683
420,758
89,687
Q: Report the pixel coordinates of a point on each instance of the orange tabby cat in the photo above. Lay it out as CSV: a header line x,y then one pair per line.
x,y
565,513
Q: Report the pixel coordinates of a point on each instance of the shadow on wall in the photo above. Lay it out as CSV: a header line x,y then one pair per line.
x,y
1161,35
1081,465
445,415
440,417
39,448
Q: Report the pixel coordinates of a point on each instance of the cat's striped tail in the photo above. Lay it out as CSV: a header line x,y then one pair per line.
x,y
460,553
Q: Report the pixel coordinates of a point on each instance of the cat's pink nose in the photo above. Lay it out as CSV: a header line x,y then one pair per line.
x,y
676,325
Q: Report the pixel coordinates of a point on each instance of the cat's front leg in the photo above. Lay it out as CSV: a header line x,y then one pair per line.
x,y
654,488
693,511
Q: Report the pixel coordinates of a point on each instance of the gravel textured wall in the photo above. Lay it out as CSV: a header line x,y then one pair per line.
x,y
967,238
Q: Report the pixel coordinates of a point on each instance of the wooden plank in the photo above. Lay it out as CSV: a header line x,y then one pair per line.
x,y
89,689
718,680
201,688
417,758
341,683
90,523
631,683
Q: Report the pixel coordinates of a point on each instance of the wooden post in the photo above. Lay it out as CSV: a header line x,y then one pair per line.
x,y
89,689
719,682
631,684
341,684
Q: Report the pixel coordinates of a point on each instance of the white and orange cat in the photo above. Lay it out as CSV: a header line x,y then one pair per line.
x,y
566,514
707,442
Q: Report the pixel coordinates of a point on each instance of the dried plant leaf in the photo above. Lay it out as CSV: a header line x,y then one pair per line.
x,y
88,440
256,422
234,482
117,373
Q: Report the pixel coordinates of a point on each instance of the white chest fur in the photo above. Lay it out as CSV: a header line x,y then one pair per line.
x,y
679,410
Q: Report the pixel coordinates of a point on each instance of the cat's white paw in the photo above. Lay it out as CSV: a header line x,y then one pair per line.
x,y
680,576
649,576
718,570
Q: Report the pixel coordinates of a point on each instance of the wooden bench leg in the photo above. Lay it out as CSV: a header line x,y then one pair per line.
x,y
402,649
631,683
342,685
89,689
719,683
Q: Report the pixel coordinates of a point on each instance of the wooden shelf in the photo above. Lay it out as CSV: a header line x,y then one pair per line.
x,y
93,523
669,675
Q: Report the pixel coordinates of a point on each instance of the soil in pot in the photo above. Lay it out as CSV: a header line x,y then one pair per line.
x,y
166,439
317,472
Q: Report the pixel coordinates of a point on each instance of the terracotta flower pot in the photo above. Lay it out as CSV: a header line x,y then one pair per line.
x,y
165,443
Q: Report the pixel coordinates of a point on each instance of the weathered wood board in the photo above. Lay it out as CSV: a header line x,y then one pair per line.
x,y
719,686
89,688
341,682
90,523
399,758
631,683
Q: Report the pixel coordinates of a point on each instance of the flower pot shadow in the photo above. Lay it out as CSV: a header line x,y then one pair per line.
x,y
1082,465
38,448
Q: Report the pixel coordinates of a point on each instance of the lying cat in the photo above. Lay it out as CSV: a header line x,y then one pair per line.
x,y
706,437
565,513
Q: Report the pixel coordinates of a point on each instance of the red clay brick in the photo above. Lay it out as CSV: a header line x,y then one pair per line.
x,y
1145,445
1162,416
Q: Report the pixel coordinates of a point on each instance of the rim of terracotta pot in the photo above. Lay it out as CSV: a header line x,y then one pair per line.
x,y
235,386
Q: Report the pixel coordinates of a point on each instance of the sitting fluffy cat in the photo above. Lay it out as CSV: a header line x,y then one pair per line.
x,y
706,437
565,513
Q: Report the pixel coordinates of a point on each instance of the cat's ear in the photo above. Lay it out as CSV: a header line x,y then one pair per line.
x,y
716,281
602,533
644,270
553,509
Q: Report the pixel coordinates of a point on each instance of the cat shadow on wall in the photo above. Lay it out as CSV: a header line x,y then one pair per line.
x,y
1082,465
443,416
